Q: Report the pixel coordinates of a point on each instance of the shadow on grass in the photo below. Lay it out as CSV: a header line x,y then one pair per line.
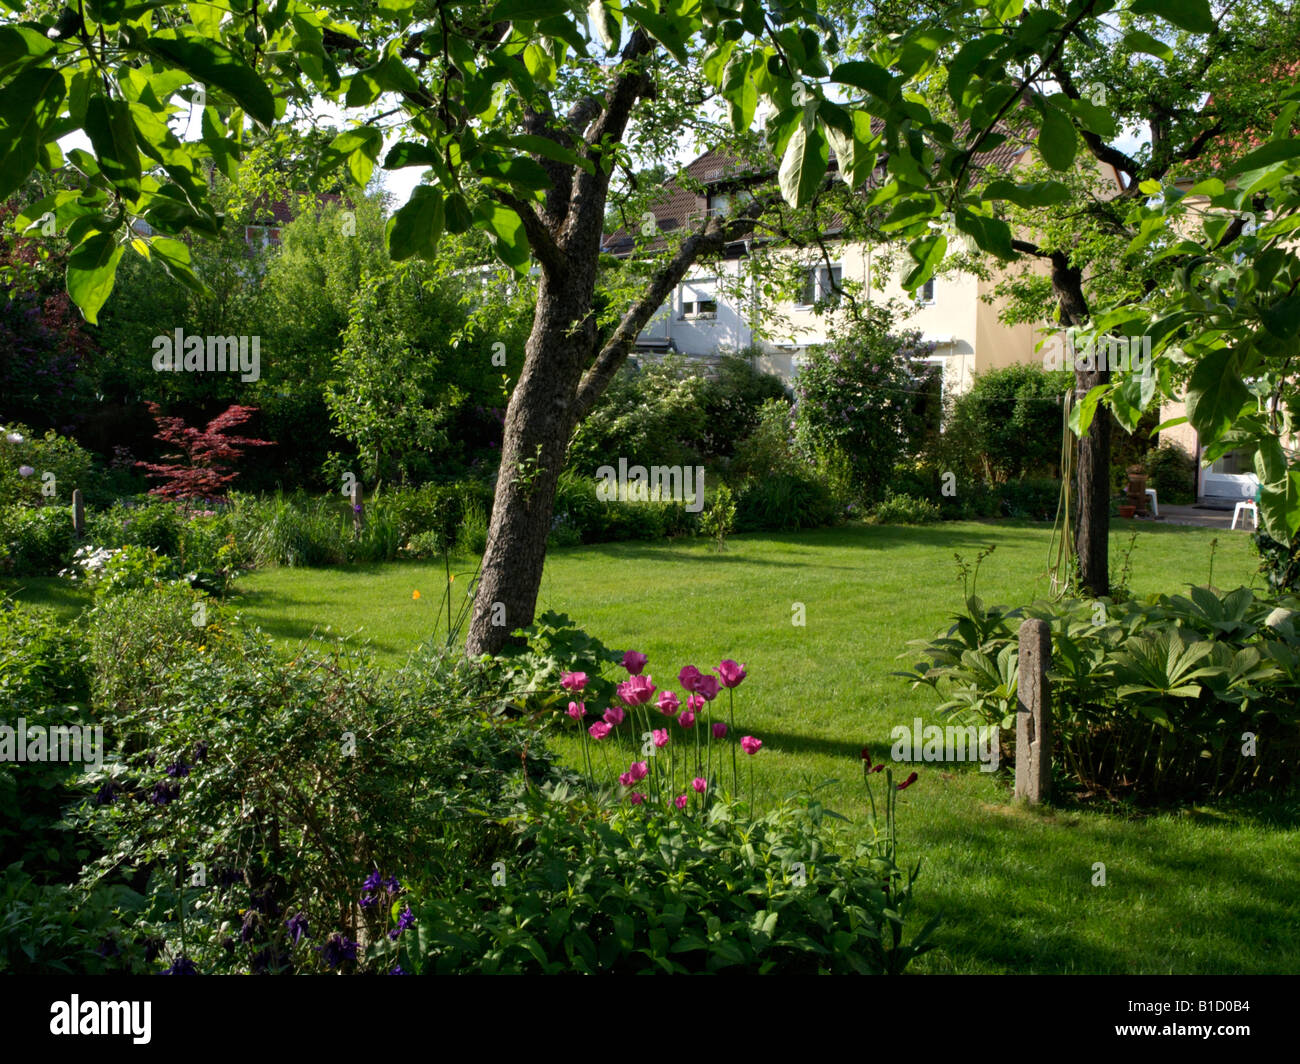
x,y
65,599
1037,897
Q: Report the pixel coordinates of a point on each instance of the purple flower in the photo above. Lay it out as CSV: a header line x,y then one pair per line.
x,y
180,768
336,950
297,925
182,966
405,920
397,970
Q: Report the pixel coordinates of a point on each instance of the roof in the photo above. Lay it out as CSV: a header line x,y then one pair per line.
x,y
675,207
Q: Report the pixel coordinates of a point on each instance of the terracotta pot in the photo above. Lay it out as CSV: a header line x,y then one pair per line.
x,y
1127,511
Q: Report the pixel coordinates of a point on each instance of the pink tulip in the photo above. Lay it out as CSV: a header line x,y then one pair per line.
x,y
751,745
573,681
681,801
719,730
636,691
577,710
634,662
707,687
636,799
687,677
614,716
700,784
599,730
660,736
668,703
639,770
626,779
687,719
730,672
695,703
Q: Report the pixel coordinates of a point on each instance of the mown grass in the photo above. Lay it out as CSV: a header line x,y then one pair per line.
x,y
1196,889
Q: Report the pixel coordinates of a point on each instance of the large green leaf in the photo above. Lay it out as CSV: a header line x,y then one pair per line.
x,y
804,164
29,106
414,228
1216,393
1191,15
92,270
360,148
527,10
213,63
506,230
1056,139
112,134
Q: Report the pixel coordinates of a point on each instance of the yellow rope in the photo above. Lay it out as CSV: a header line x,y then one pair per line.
x,y
1061,551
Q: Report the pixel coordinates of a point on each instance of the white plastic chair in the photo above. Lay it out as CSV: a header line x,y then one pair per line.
x,y
1246,506
1155,503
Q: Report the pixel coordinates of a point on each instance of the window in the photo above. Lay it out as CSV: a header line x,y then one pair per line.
x,y
925,294
699,298
821,283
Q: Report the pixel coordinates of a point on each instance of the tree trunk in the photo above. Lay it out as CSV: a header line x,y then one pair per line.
x,y
1092,528
539,421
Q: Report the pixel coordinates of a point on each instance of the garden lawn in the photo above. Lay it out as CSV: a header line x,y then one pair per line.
x,y
1210,889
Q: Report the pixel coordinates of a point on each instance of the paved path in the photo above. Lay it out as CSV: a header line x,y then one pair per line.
x,y
1203,517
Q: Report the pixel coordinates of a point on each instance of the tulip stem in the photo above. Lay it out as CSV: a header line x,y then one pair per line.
x,y
731,714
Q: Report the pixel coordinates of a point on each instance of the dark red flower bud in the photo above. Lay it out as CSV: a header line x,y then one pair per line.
x,y
907,782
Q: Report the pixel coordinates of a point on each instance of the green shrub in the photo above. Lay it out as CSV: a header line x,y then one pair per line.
x,y
720,518
785,502
905,510
637,893
68,462
147,521
769,448
1172,472
35,541
1151,698
581,516
256,788
1036,498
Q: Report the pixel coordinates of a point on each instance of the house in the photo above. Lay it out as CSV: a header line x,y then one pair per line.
x,y
716,308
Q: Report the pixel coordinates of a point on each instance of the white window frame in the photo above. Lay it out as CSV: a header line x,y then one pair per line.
x,y
682,302
822,288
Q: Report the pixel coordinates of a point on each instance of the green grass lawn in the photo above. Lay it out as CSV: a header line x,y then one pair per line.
x,y
1188,890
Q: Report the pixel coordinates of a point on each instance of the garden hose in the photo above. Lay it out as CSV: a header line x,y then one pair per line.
x,y
1060,548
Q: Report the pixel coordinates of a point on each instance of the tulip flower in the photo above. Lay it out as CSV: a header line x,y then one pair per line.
x,y
668,704
730,672
688,677
907,782
751,745
634,662
700,784
681,800
636,691
636,799
573,681
599,730
719,730
577,710
614,716
660,737
707,687
687,719
695,703
626,779
639,770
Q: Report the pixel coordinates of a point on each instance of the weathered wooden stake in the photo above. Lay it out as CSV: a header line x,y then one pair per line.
x,y
78,513
1033,714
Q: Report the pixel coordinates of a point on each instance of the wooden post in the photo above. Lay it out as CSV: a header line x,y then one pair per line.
x,y
1033,714
78,513
356,509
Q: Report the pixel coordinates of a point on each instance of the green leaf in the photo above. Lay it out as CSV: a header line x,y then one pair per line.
x,y
112,135
1191,15
527,10
872,77
1056,139
92,270
1275,151
1031,194
1216,393
408,153
506,230
360,147
1141,41
414,229
29,105
803,165
1082,413
214,64
608,27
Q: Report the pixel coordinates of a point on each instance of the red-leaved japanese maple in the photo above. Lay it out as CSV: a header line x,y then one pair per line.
x,y
210,453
